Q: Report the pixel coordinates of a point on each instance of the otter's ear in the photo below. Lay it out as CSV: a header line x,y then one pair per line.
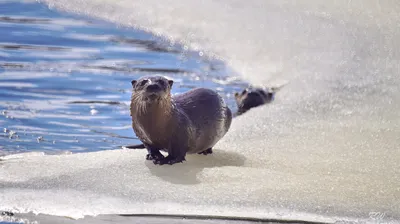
x,y
170,83
236,95
133,82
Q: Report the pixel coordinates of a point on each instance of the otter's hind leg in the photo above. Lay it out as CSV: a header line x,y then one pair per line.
x,y
206,152
153,153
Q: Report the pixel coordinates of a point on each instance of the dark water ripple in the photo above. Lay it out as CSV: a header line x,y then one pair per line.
x,y
65,80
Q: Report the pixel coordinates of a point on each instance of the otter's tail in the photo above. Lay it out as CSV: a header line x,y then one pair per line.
x,y
140,146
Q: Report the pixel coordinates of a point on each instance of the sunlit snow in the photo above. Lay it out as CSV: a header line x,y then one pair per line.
x,y
327,148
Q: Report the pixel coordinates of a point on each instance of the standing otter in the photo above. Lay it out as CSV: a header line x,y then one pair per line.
x,y
191,122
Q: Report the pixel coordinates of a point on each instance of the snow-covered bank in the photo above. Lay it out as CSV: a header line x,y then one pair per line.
x,y
328,145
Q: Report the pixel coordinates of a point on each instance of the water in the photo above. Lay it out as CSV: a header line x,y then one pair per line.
x,y
65,79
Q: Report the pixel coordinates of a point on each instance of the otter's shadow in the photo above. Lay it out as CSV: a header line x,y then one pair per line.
x,y
186,172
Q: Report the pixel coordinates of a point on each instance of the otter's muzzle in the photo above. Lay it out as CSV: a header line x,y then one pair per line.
x,y
153,91
153,88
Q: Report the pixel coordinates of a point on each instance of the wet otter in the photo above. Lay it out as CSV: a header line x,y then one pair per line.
x,y
253,97
191,122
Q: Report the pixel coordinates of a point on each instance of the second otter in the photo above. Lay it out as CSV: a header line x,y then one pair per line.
x,y
191,122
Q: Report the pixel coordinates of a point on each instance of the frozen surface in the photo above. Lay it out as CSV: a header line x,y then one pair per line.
x,y
327,148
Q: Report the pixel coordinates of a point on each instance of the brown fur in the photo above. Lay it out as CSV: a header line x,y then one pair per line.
x,y
191,122
155,119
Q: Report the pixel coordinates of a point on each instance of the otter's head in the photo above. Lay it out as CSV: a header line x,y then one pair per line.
x,y
252,97
151,89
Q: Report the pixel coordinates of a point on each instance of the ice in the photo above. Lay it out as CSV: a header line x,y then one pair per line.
x,y
326,149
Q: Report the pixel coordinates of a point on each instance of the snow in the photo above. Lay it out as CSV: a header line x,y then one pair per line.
x,y
326,149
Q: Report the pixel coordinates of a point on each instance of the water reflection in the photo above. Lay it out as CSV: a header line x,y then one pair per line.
x,y
65,81
8,19
10,46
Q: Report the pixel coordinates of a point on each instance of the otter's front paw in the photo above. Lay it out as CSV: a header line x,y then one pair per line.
x,y
169,160
154,156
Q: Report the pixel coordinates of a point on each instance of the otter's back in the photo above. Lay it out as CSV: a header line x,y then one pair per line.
x,y
207,112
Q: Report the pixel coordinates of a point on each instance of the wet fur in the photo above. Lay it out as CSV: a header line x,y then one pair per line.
x,y
249,98
253,97
191,122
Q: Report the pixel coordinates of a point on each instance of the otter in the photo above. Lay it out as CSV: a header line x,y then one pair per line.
x,y
253,97
186,123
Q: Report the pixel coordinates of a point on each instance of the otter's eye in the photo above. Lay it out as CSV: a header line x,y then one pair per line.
x,y
262,93
143,82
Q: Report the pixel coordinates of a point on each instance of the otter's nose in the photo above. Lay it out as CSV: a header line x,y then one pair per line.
x,y
153,88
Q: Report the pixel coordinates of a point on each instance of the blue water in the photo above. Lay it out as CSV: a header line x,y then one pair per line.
x,y
65,79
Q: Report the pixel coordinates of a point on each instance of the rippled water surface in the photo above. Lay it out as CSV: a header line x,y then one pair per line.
x,y
65,80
